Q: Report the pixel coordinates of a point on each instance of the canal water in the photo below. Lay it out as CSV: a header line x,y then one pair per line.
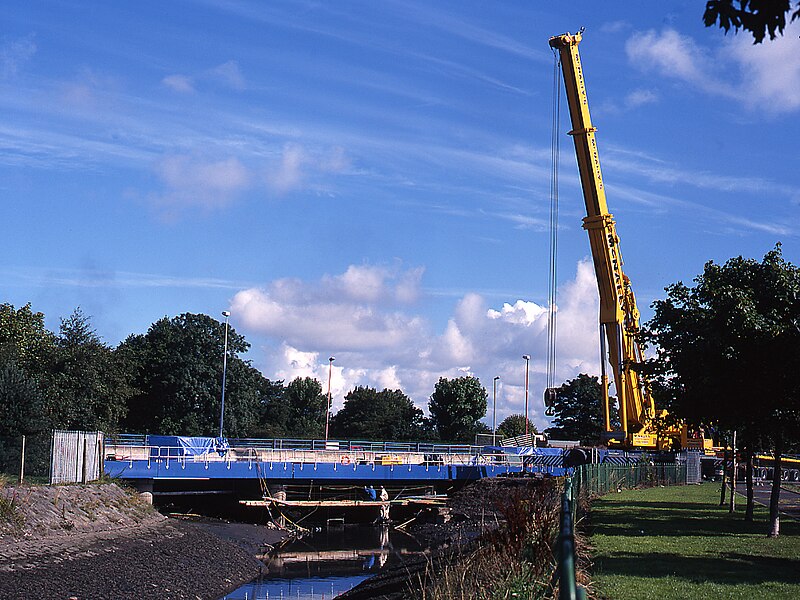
x,y
328,563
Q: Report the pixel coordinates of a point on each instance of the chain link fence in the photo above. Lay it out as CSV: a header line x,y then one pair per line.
x,y
596,480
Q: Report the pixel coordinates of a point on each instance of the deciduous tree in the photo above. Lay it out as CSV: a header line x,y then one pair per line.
x,y
727,351
578,410
372,415
176,368
87,387
456,406
514,426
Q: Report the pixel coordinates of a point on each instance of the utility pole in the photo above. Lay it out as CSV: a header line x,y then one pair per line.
x,y
328,411
226,314
527,358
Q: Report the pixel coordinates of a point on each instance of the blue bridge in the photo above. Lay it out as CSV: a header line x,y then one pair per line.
x,y
175,464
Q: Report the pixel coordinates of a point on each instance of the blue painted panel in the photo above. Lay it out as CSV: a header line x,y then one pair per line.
x,y
179,468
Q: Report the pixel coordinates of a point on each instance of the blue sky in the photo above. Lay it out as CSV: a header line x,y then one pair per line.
x,y
370,180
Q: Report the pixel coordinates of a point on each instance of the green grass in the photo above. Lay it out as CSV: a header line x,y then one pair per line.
x,y
677,543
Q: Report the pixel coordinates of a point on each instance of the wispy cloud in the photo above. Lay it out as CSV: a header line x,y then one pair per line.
x,y
179,83
101,278
428,16
229,74
15,53
192,183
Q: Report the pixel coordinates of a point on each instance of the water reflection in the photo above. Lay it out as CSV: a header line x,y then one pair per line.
x,y
328,563
319,588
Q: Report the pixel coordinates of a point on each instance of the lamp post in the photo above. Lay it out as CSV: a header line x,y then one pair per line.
x,y
226,314
328,411
527,358
494,410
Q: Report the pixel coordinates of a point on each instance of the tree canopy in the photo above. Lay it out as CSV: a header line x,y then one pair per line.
x,y
727,347
176,368
456,407
373,415
514,426
87,386
759,17
298,410
578,410
727,353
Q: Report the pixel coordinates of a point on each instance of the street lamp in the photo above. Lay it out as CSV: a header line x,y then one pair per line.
x,y
527,358
226,314
328,411
494,410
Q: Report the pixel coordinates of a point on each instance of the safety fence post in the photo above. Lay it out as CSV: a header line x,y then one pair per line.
x,y
567,587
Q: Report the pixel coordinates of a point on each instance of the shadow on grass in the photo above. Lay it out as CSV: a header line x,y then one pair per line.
x,y
731,569
671,506
672,519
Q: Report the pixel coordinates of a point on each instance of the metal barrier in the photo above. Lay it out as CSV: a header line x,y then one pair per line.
x,y
76,456
568,589
600,479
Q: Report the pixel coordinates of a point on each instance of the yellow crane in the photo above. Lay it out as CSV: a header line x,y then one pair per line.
x,y
619,315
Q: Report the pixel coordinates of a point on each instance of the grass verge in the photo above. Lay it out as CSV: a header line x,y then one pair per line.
x,y
676,542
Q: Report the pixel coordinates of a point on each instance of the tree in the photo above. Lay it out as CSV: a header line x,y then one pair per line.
x,y
306,408
578,410
756,16
87,387
22,412
514,426
727,352
22,404
372,415
456,406
24,340
176,368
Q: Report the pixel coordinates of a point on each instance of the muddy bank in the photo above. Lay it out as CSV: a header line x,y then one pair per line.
x,y
102,542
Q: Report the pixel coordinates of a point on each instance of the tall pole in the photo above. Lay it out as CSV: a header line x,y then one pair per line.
x,y
225,314
527,365
494,410
328,411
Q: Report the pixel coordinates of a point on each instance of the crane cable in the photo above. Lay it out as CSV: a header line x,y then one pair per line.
x,y
552,291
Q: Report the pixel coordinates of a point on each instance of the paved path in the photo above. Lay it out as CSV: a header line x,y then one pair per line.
x,y
789,503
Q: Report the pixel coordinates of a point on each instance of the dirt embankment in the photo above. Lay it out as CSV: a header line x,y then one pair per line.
x,y
102,542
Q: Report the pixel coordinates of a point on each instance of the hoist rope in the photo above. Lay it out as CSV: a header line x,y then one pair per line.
x,y
552,292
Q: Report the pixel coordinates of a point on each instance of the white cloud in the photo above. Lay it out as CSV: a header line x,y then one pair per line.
x,y
353,317
761,76
674,55
179,83
770,71
343,312
194,183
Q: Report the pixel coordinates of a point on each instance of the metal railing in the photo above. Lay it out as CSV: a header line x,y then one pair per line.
x,y
568,589
355,453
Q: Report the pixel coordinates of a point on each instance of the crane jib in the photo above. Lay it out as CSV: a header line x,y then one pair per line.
x,y
619,315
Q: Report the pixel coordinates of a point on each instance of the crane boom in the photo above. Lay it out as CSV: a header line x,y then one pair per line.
x,y
619,315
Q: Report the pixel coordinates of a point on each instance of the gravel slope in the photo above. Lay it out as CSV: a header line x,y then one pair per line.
x,y
101,542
